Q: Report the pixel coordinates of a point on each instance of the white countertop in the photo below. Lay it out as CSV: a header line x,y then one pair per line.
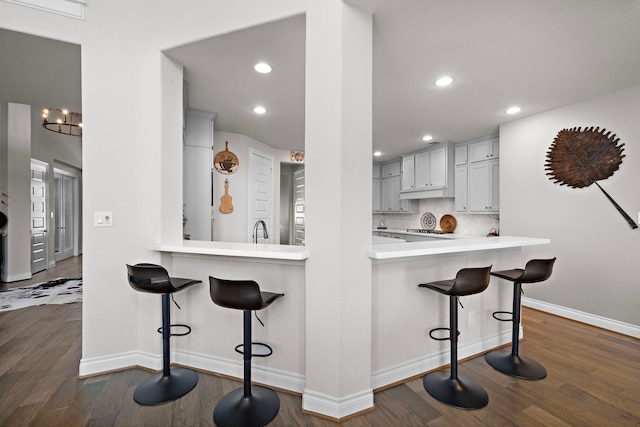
x,y
398,251
233,249
377,240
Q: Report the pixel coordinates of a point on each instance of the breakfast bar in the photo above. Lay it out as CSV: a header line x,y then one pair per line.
x,y
403,314
401,317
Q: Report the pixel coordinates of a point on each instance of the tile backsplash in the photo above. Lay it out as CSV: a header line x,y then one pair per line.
x,y
468,224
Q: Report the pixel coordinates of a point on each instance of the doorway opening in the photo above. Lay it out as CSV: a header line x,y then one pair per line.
x,y
66,215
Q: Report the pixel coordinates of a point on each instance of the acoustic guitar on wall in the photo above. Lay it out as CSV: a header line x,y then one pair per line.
x,y
226,207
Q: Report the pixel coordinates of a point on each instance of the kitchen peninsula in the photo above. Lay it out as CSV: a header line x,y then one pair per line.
x,y
402,314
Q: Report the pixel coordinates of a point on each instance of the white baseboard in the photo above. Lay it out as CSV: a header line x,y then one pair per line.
x,y
411,368
235,368
335,407
581,316
103,364
268,376
18,277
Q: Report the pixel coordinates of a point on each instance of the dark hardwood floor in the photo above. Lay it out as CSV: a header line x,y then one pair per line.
x,y
594,380
69,268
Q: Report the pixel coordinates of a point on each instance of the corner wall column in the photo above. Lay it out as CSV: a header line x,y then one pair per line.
x,y
338,167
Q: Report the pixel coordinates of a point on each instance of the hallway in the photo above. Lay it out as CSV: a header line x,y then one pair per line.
x,y
69,268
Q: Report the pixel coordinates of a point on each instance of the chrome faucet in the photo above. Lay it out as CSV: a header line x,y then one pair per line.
x,y
265,235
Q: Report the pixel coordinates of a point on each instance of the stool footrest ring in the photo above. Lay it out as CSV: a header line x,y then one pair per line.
x,y
441,329
177,325
258,349
495,315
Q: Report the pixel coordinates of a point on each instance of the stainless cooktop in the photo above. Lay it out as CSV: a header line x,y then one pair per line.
x,y
424,230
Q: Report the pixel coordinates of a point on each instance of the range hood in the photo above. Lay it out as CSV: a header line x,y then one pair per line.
x,y
426,194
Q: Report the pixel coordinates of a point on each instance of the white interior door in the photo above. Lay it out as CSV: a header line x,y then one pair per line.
x,y
65,212
260,194
38,216
299,207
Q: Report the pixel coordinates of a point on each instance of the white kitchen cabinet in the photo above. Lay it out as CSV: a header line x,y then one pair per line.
x,y
431,169
484,186
487,149
391,202
391,194
377,194
198,162
377,170
391,169
461,192
461,155
432,173
408,173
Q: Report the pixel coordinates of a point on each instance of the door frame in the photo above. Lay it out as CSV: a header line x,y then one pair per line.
x,y
250,215
76,211
36,165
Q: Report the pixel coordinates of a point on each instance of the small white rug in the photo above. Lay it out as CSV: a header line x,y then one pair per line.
x,y
59,291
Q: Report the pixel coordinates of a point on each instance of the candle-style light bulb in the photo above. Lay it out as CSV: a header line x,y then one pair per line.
x,y
65,112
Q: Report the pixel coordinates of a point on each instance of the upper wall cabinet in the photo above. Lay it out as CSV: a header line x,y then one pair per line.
x,y
478,180
487,149
461,154
428,173
386,190
377,188
390,169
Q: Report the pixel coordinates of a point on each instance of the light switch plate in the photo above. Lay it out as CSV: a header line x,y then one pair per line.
x,y
103,219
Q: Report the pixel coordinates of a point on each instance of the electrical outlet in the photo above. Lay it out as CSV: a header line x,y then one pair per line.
x,y
103,219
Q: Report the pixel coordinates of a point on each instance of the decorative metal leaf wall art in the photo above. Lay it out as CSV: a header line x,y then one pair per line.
x,y
580,157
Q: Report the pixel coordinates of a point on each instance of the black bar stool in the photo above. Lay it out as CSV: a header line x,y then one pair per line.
x,y
251,405
457,390
536,270
170,384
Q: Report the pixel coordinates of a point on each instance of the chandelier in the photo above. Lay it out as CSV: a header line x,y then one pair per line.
x,y
62,121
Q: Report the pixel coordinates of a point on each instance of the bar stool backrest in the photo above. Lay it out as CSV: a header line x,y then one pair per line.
x,y
149,278
537,270
238,294
470,281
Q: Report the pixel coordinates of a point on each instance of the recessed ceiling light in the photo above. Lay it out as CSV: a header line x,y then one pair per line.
x,y
427,138
262,67
377,153
259,110
513,110
444,81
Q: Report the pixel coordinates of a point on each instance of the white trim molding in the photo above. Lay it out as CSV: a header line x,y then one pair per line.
x,y
337,407
421,365
70,8
581,316
232,368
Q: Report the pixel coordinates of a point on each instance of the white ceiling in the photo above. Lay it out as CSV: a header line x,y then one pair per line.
x,y
539,55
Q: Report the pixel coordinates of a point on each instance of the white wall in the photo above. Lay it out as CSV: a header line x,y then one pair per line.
x,y
39,72
234,227
596,271
123,167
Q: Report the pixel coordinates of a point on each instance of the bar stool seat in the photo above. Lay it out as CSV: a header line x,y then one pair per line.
x,y
170,384
536,270
252,405
453,389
